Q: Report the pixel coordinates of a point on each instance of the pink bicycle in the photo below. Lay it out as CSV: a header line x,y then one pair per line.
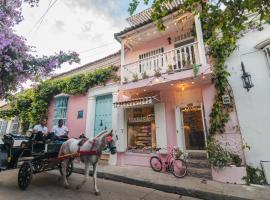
x,y
172,162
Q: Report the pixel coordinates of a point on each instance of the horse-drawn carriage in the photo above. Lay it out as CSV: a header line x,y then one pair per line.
x,y
32,156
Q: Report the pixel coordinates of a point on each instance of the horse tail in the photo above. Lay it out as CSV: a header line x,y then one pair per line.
x,y
61,149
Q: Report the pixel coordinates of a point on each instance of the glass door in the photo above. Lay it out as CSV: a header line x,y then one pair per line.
x,y
193,128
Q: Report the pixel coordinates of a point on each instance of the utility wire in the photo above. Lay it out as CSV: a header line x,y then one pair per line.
x,y
103,45
41,19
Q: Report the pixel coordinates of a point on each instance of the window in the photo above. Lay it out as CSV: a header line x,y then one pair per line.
x,y
266,50
151,60
14,129
60,110
3,127
141,129
80,114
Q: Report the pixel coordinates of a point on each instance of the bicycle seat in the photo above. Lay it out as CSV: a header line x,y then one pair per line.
x,y
158,149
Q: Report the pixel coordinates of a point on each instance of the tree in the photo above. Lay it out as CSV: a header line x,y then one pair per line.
x,y
17,62
224,22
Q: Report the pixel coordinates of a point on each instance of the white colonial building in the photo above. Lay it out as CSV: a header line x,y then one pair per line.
x,y
253,106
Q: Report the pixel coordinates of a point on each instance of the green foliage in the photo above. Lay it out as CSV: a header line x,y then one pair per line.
x,y
236,160
31,105
255,176
195,69
218,157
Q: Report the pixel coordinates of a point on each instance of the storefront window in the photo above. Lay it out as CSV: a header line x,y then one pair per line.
x,y
141,129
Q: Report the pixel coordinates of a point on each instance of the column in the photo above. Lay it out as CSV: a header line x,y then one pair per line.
x,y
90,118
199,34
113,158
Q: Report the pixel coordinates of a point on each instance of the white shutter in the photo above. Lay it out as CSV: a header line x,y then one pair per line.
x,y
160,121
179,128
120,144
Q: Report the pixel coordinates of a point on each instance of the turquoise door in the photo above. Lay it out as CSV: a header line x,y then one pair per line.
x,y
103,115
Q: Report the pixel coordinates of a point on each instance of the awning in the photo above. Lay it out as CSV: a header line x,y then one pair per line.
x,y
138,102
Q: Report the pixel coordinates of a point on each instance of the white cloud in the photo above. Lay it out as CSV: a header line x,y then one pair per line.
x,y
74,25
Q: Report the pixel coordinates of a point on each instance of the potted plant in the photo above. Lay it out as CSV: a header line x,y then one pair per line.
x,y
125,80
144,75
135,77
170,69
226,166
157,73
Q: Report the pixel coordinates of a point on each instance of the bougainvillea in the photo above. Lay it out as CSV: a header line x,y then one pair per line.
x,y
17,61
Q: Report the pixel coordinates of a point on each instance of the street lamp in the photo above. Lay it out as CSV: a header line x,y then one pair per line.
x,y
246,78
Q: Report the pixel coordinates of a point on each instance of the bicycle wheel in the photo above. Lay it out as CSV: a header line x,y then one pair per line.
x,y
156,163
179,168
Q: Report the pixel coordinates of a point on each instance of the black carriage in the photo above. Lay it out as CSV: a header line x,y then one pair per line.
x,y
31,156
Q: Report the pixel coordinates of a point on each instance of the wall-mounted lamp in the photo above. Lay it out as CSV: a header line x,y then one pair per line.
x,y
169,40
246,78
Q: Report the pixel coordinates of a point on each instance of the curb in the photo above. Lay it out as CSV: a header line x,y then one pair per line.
x,y
164,188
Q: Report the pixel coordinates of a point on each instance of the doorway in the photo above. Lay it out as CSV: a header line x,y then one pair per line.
x,y
191,127
103,114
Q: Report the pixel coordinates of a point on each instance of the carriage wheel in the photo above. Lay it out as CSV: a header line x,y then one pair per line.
x,y
69,168
25,175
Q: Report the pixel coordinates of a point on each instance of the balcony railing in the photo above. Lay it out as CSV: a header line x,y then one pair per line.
x,y
175,60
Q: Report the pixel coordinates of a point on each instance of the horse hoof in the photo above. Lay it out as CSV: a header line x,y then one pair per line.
x,y
97,193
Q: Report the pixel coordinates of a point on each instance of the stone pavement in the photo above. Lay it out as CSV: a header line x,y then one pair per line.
x,y
187,186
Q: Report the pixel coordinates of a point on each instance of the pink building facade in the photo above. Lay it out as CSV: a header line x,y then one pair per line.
x,y
162,102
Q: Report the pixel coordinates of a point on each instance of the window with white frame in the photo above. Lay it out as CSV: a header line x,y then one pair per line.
x,y
3,127
60,109
266,50
15,125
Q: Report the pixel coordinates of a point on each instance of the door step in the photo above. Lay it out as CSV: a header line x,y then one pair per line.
x,y
198,165
200,173
197,155
194,163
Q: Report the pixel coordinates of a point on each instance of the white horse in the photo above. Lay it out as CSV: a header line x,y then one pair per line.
x,y
90,152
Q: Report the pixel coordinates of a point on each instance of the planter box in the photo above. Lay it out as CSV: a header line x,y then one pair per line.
x,y
230,174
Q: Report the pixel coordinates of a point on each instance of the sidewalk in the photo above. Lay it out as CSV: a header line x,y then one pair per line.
x,y
188,186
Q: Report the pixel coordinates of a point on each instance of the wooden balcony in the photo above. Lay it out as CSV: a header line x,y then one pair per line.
x,y
175,60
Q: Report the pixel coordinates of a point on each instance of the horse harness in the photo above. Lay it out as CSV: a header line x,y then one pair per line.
x,y
91,151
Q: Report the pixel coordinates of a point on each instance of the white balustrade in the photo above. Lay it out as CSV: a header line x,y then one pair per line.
x,y
175,60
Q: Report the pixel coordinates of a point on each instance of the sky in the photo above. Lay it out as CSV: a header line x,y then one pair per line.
x,y
84,26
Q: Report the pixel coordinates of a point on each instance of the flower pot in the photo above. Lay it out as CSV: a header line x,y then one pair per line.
x,y
231,174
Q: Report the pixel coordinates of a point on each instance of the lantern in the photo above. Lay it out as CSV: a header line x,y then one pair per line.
x,y
246,78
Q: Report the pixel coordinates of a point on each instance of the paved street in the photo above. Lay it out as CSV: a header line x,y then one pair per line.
x,y
47,187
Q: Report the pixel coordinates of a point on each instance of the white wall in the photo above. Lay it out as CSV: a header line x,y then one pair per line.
x,y
253,107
